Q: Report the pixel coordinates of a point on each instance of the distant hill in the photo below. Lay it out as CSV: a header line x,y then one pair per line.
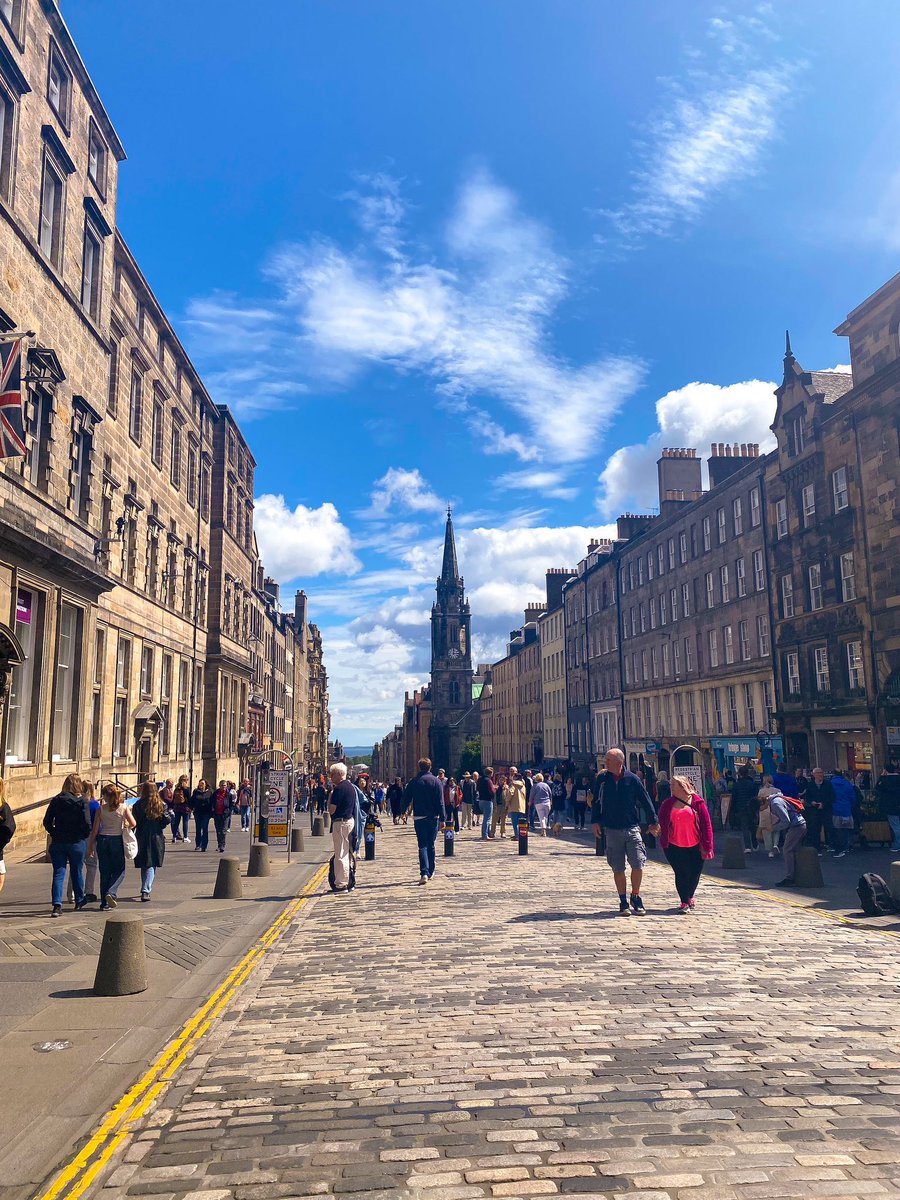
x,y
358,752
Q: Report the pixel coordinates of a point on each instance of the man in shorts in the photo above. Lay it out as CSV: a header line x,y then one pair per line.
x,y
622,805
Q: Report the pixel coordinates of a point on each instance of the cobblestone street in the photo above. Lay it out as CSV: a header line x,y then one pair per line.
x,y
501,1033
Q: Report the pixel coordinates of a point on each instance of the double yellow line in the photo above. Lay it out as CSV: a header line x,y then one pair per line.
x,y
78,1174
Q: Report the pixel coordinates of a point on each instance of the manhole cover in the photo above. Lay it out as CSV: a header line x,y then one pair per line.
x,y
47,1047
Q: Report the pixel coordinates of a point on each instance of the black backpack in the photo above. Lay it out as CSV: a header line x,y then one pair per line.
x,y
875,896
332,882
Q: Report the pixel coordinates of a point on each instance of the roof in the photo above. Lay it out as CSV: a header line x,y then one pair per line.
x,y
831,384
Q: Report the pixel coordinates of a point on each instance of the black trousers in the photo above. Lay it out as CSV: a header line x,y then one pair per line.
x,y
687,863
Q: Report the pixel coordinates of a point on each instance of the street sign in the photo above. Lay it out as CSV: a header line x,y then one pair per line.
x,y
652,747
694,775
893,735
277,793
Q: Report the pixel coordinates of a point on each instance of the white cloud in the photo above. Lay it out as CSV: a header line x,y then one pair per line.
x,y
841,369
549,483
711,129
694,415
301,542
403,489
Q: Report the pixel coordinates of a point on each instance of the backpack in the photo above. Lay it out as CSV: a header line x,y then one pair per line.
x,y
332,882
875,896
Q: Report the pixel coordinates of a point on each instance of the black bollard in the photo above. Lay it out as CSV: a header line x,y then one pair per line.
x,y
449,841
523,836
369,835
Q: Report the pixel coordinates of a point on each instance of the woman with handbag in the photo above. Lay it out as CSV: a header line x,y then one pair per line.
x,y
686,836
113,823
152,820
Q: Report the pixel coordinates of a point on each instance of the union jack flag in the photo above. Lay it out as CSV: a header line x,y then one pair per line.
x,y
12,425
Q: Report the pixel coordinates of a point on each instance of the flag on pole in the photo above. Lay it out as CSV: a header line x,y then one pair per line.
x,y
12,422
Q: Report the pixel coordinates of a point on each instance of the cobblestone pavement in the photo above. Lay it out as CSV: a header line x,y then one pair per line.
x,y
501,1032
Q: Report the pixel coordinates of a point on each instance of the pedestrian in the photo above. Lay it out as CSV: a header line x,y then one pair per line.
x,y
201,805
744,815
68,822
541,802
570,799
7,829
784,781
558,802
396,803
498,816
342,808
90,864
887,792
516,795
582,791
842,813
469,794
380,796
818,806
167,791
487,790
789,820
245,803
425,795
766,822
452,801
622,806
221,813
686,837
151,821
319,801
181,805
232,802
110,823
663,789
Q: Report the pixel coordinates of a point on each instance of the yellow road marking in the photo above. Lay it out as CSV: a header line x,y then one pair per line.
x,y
78,1174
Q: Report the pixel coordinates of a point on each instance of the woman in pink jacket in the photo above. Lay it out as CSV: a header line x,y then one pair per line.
x,y
686,836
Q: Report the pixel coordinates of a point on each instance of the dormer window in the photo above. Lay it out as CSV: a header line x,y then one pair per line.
x,y
795,435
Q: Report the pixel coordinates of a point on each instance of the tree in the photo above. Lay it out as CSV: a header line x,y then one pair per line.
x,y
470,759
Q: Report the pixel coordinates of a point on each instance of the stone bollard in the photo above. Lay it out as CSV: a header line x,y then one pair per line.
x,y
259,861
297,844
122,965
228,880
894,882
318,827
734,858
808,868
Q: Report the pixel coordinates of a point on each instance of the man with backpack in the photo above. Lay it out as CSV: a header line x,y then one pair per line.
x,y
789,819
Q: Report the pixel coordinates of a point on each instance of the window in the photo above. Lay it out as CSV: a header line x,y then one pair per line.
x,y
839,489
682,547
854,665
848,577
667,670
710,590
111,405
755,514
738,516
744,636
808,503
733,710
192,476
120,720
676,656
7,143
146,670
741,577
640,566
165,697
759,571
707,542
795,435
723,582
157,432
787,596
135,404
671,554
91,270
692,712
175,464
631,576
650,571
762,634
781,518
704,697
65,685
663,607
25,685
713,642
720,525
654,662
815,587
50,227
673,600
59,86
123,663
823,680
685,600
728,641
652,614
717,705
660,559
97,159
644,674
749,704
643,612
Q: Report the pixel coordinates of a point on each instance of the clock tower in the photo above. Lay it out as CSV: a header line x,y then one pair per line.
x,y
454,716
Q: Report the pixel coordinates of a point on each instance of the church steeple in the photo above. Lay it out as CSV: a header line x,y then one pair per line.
x,y
449,568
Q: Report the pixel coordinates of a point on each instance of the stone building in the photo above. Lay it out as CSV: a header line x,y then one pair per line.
x,y
834,548
504,740
695,626
603,663
552,636
318,716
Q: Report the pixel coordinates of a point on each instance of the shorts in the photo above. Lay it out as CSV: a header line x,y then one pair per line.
x,y
625,843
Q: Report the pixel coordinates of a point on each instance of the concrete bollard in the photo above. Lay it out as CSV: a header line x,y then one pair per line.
x,y
259,861
297,844
808,868
894,882
228,880
122,965
318,828
734,858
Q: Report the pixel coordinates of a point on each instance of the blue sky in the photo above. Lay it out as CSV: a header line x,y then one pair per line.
x,y
494,253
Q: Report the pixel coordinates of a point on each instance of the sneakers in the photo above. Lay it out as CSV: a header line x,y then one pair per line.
x,y
692,902
79,904
104,907
772,854
423,879
112,902
841,854
145,896
56,911
90,898
637,906
624,910
685,908
187,841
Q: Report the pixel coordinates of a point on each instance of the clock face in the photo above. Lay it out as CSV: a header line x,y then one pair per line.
x,y
454,653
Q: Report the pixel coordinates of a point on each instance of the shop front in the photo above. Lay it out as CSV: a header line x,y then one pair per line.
x,y
759,751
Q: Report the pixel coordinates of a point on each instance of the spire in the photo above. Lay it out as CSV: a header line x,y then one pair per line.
x,y
449,568
788,352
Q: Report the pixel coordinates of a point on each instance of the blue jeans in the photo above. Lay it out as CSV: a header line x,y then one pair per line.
x,y
426,832
147,876
245,818
202,825
516,818
221,824
180,825
63,855
487,811
111,860
894,823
